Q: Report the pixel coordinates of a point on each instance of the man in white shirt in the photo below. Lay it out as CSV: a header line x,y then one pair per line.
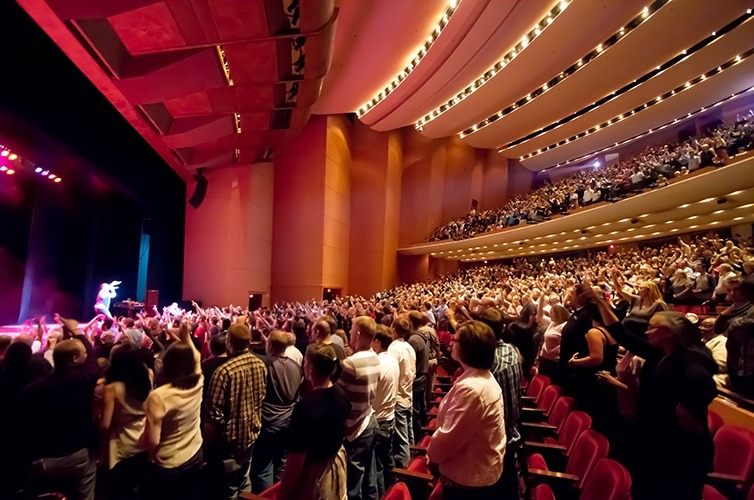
x,y
406,357
384,408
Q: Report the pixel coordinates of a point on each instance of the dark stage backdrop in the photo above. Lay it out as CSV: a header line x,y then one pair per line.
x,y
88,229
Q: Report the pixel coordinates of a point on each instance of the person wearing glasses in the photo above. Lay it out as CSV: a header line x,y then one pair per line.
x,y
469,443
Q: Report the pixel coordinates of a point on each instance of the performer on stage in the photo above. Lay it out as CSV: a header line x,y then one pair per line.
x,y
107,292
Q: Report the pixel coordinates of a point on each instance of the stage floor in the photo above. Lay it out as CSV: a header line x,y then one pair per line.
x,y
14,330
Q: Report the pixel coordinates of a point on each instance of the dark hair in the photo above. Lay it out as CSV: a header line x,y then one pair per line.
x,y
217,345
225,324
179,367
493,318
417,319
16,359
323,359
127,366
383,336
107,323
477,344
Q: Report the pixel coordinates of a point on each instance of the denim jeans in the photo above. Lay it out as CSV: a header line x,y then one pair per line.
x,y
179,482
268,460
383,455
74,475
419,413
403,436
362,480
228,476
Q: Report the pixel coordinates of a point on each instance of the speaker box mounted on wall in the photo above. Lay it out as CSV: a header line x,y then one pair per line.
x,y
200,191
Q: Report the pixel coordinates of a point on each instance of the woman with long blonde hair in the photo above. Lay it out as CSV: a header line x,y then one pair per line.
x,y
642,306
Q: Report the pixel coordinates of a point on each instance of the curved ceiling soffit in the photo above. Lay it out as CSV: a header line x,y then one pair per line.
x,y
662,36
373,41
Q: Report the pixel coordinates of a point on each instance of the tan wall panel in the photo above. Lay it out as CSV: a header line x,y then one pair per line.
x,y
337,196
299,209
228,249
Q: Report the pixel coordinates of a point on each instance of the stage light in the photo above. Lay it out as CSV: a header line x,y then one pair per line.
x,y
51,176
37,170
596,164
57,179
10,171
12,156
45,172
4,153
3,168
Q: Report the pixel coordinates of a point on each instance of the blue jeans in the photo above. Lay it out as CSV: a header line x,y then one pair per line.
x,y
229,476
419,413
268,461
383,455
362,480
74,474
403,436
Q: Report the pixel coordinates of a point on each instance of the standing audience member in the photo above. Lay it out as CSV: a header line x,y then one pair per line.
x,y
316,464
284,378
62,461
419,393
469,442
740,344
384,409
172,434
359,379
234,415
507,371
122,422
674,442
406,357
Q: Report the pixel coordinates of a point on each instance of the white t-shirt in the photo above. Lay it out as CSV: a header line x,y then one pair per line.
x,y
406,357
294,354
387,388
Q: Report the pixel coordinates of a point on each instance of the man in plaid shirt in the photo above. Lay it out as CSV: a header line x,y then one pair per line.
x,y
234,415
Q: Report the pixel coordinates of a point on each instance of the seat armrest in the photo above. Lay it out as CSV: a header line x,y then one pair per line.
x,y
537,446
538,427
251,496
428,430
725,478
422,450
416,476
540,475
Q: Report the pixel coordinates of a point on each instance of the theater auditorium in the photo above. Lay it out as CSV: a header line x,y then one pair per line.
x,y
377,249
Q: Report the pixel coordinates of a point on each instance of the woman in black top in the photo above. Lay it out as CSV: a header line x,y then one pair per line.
x,y
674,443
316,465
597,351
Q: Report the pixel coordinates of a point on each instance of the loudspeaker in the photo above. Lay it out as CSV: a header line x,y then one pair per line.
x,y
153,297
200,191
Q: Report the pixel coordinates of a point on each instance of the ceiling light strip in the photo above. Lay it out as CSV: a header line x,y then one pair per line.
x,y
681,57
224,64
420,54
237,121
643,16
650,131
498,66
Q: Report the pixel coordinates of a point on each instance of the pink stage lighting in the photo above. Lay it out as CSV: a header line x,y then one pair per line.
x,y
51,176
57,179
10,171
3,168
12,156
45,172
5,152
37,170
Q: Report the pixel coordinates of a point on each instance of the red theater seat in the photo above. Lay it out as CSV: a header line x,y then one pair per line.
x,y
398,491
535,389
733,468
271,493
546,402
608,481
714,422
575,424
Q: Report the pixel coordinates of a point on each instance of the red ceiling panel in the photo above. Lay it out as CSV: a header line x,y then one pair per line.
x,y
239,19
255,121
148,28
253,62
197,103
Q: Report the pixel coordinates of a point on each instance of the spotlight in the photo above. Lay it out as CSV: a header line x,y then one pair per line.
x,y
10,171
45,172
37,170
4,153
596,164
57,179
3,168
12,156
721,201
51,176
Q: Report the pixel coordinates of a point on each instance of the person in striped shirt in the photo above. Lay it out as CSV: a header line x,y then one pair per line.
x,y
359,379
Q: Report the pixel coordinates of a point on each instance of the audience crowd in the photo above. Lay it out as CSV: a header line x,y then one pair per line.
x,y
653,168
326,397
